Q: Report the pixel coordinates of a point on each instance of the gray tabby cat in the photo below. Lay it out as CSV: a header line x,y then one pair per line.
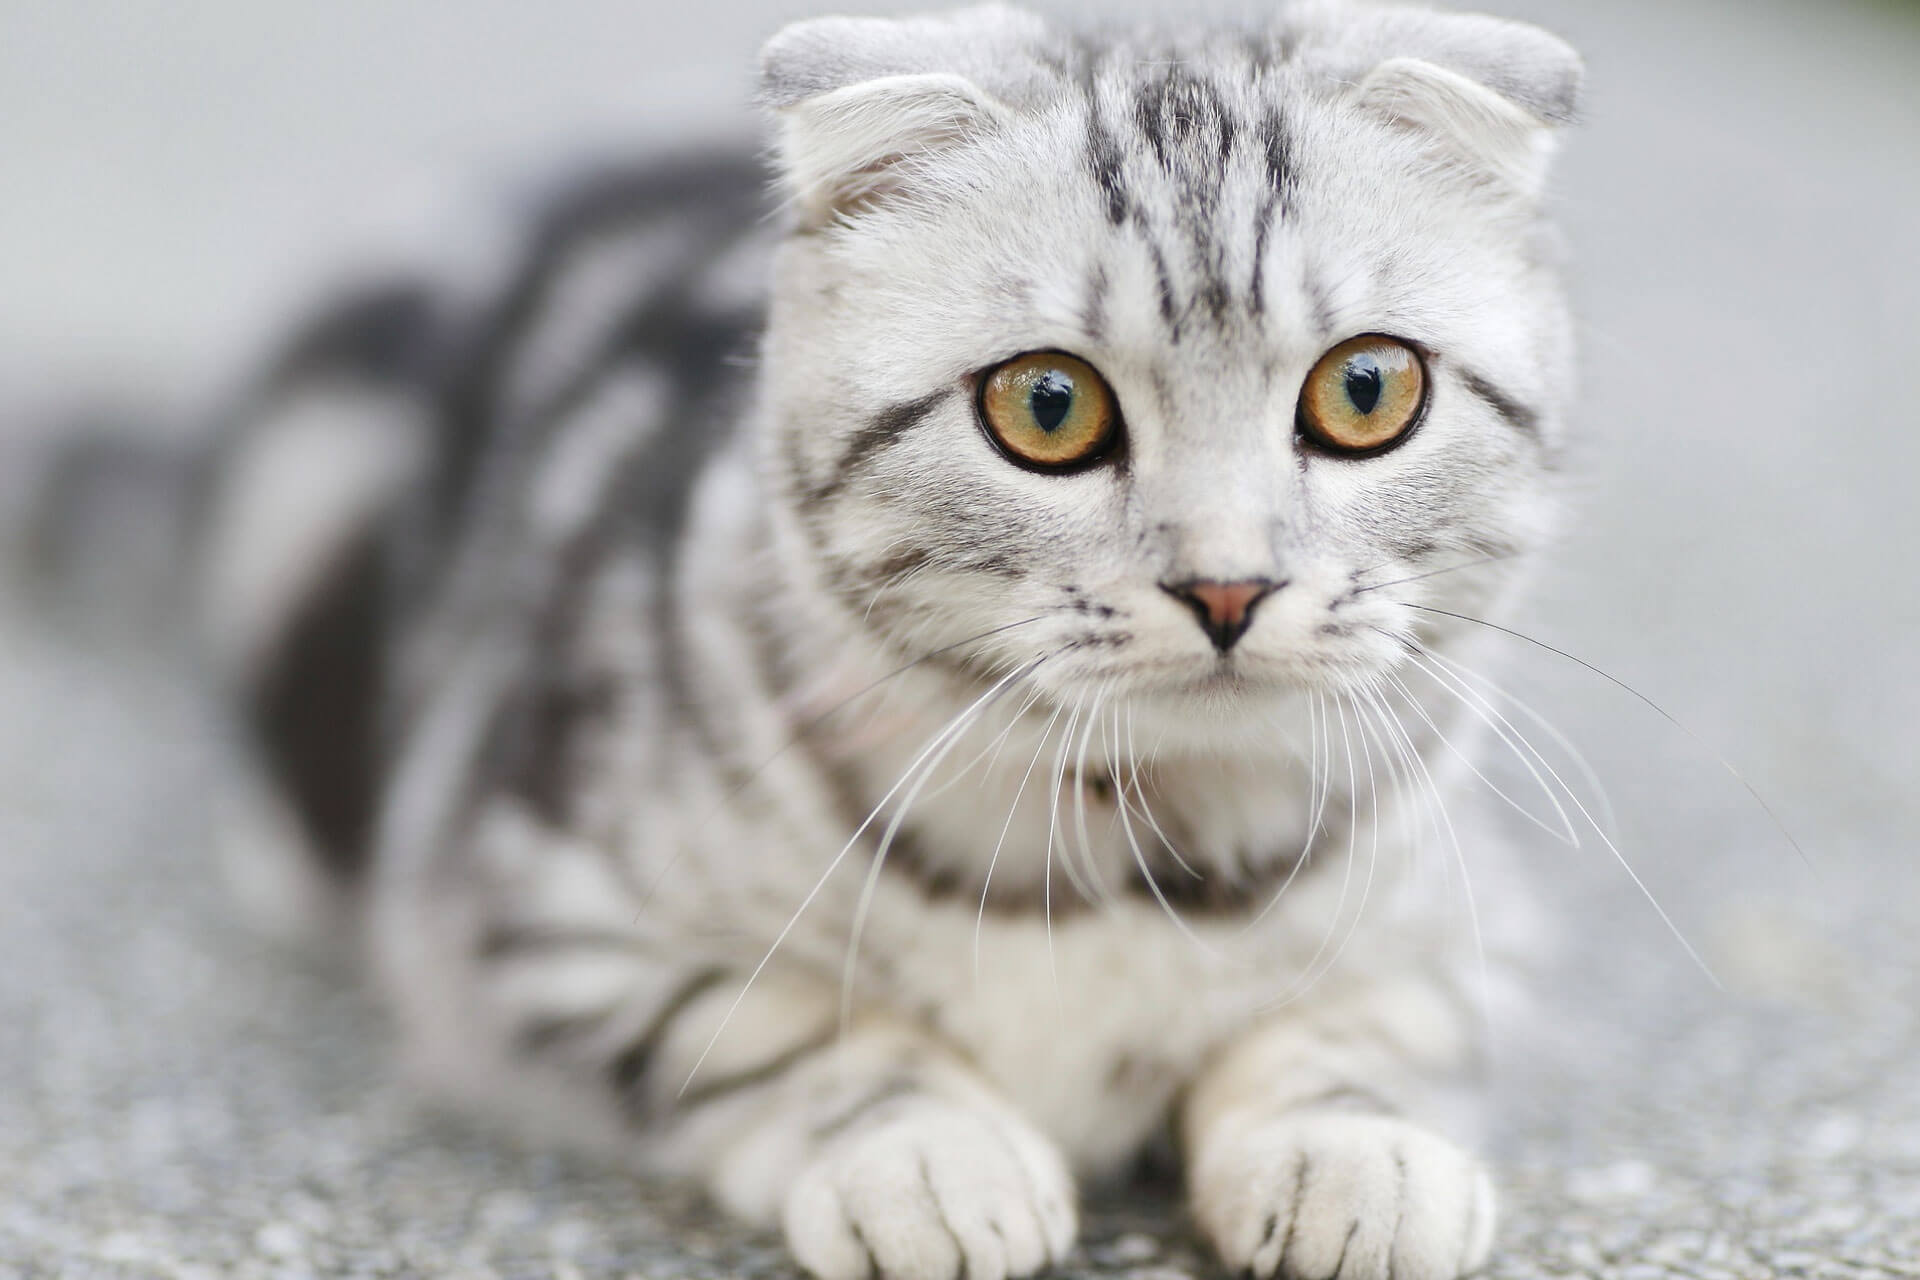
x,y
882,713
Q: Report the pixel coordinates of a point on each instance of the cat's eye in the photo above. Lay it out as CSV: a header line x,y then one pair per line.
x,y
1363,395
1049,410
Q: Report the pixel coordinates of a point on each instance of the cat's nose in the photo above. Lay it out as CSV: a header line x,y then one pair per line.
x,y
1223,609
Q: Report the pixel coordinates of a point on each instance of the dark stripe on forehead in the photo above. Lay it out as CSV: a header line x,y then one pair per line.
x,y
1276,148
1262,237
1104,160
1105,163
1192,130
1163,278
1518,415
1276,153
880,433
1186,123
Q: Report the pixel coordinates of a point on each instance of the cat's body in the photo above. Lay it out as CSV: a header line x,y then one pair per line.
x,y
634,621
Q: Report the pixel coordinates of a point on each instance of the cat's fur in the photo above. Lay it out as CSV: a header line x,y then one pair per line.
x,y
601,626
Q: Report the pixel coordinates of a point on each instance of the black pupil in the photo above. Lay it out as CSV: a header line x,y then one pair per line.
x,y
1363,383
1051,400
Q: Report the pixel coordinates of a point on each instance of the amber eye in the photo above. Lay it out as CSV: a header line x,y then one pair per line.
x,y
1365,394
1049,410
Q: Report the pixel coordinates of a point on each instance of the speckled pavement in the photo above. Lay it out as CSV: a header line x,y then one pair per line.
x,y
186,1101
180,1099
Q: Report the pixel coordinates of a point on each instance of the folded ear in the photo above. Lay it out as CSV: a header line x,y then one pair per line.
x,y
858,102
1489,89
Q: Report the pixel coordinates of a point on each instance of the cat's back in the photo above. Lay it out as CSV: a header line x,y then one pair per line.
x,y
454,445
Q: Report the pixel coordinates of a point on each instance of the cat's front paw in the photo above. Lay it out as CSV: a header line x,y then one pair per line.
x,y
1343,1197
932,1191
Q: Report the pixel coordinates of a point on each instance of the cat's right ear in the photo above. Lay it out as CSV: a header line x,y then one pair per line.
x,y
1490,91
860,103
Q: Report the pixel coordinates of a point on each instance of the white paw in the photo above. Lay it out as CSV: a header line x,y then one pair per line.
x,y
1315,1197
932,1191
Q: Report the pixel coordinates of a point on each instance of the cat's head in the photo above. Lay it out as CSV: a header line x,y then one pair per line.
x,y
1181,360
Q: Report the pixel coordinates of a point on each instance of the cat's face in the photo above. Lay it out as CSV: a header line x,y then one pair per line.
x,y
1085,369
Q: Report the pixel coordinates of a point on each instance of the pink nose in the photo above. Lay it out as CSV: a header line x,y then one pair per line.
x,y
1223,609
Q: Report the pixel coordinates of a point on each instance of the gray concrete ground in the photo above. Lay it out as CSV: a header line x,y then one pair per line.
x,y
178,1099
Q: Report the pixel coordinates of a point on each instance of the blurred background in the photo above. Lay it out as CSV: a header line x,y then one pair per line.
x,y
1743,209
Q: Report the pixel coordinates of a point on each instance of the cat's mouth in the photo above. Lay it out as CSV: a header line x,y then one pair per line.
x,y
1221,679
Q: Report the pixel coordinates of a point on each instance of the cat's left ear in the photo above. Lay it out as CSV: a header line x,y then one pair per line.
x,y
859,101
1491,90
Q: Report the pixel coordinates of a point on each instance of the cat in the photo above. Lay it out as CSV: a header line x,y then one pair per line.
x,y
886,708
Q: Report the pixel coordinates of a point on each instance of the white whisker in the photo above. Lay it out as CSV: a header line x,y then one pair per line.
x,y
1453,842
1053,826
833,865
966,721
1067,864
813,722
1567,834
990,753
1626,866
1588,774
1080,803
1752,791
1146,811
1311,972
994,861
1316,715
1146,872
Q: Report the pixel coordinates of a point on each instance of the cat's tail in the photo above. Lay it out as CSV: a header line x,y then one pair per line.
x,y
104,553
306,519
248,551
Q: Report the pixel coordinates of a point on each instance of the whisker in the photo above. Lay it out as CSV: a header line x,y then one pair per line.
x,y
787,929
1053,825
1312,972
1373,857
1434,573
1490,713
991,749
1459,855
1053,812
1664,714
1400,791
1019,717
1080,802
894,580
1135,775
1588,774
1567,835
994,861
1146,873
1620,857
808,726
1317,784
967,720
1316,821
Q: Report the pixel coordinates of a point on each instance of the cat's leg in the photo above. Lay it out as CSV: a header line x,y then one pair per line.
x,y
1306,1152
527,971
875,1148
878,1151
